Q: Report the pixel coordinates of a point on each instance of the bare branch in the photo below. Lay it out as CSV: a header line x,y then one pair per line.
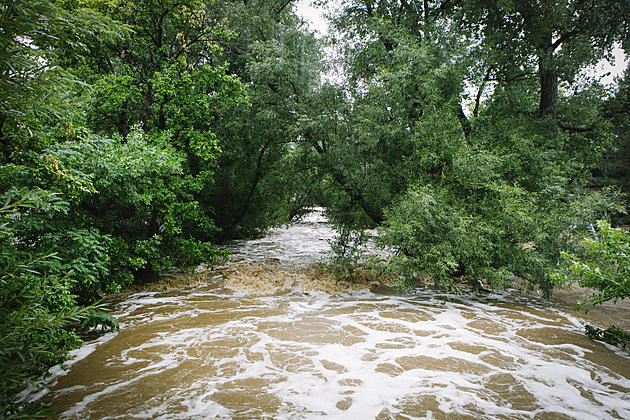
x,y
522,76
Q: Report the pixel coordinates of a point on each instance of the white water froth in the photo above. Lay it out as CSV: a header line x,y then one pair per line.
x,y
209,352
302,243
312,353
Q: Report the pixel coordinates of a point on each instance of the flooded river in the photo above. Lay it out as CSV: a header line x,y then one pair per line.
x,y
237,349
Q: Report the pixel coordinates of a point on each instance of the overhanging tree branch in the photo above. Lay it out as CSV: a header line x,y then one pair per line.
x,y
563,38
518,77
480,91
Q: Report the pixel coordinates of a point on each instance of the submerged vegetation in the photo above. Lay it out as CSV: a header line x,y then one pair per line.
x,y
136,135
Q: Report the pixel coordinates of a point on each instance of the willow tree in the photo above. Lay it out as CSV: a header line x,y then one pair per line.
x,y
489,195
402,94
278,59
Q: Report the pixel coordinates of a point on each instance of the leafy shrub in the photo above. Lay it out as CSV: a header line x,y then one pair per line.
x,y
435,236
36,304
611,335
489,231
115,102
144,209
94,319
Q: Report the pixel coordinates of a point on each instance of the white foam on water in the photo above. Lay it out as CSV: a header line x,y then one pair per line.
x,y
373,352
213,353
41,389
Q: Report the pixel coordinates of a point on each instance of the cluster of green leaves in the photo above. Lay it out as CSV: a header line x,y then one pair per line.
x,y
613,169
46,263
143,202
37,92
36,303
611,335
346,251
601,262
131,209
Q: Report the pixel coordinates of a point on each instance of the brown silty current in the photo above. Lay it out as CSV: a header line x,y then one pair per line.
x,y
257,338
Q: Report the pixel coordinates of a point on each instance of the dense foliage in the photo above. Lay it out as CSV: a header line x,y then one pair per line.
x,y
135,134
601,263
36,300
138,134
469,137
612,335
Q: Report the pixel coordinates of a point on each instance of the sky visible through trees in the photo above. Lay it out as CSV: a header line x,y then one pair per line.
x,y
315,17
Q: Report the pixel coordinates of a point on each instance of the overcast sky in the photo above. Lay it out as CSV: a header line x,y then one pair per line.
x,y
314,16
317,22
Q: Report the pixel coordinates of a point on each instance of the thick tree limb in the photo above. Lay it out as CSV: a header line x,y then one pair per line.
x,y
521,76
463,120
295,91
480,91
373,212
286,3
563,38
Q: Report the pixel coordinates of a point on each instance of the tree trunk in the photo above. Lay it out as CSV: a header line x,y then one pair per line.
x,y
356,196
463,120
548,80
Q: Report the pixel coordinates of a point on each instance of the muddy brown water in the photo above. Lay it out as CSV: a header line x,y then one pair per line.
x,y
236,348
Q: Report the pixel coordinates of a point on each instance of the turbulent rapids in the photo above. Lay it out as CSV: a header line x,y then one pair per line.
x,y
269,336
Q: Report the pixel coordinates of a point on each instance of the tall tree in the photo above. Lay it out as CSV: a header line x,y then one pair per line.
x,y
279,59
615,167
550,40
401,80
458,194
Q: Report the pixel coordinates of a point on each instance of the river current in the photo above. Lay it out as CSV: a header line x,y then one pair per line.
x,y
256,339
